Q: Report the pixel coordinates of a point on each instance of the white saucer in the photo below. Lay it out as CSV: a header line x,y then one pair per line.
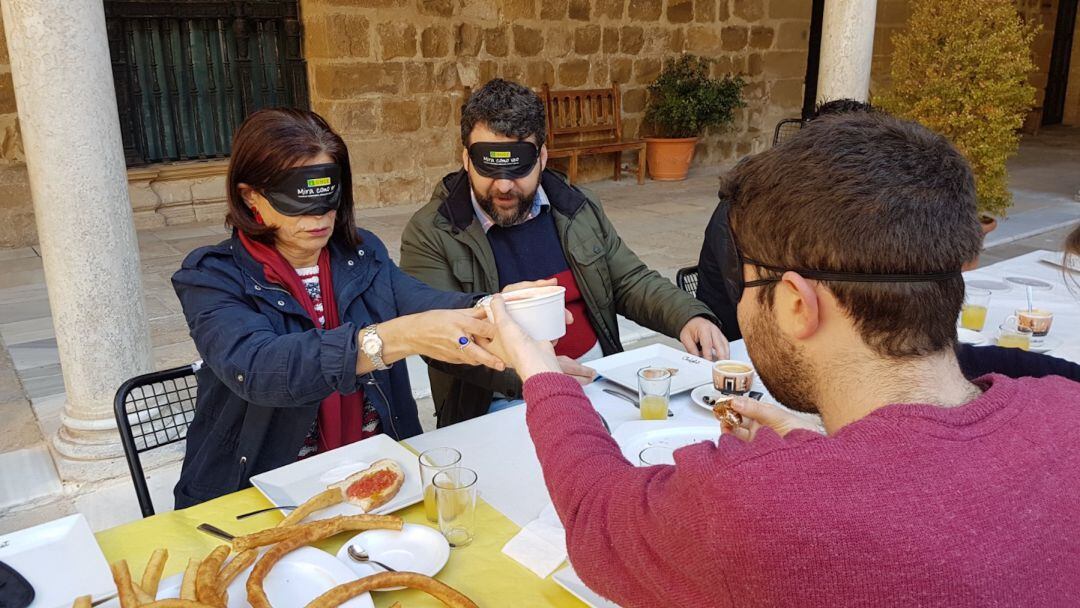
x,y
705,390
416,548
968,336
1048,344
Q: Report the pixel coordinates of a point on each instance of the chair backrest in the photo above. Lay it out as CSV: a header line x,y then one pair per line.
x,y
583,115
154,410
786,128
687,280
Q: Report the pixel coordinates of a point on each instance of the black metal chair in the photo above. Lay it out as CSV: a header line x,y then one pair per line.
x,y
687,280
154,410
786,128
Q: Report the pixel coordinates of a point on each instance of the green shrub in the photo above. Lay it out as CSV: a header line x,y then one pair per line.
x,y
961,68
684,100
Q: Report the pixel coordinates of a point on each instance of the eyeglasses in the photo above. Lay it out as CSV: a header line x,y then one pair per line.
x,y
731,267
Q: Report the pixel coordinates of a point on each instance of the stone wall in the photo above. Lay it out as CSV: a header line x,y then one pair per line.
x,y
389,73
16,209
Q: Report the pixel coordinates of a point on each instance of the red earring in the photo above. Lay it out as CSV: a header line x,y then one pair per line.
x,y
258,218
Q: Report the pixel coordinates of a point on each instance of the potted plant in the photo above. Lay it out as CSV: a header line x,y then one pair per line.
x,y
961,68
683,102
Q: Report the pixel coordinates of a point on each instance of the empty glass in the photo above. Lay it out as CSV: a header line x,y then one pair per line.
x,y
431,462
456,493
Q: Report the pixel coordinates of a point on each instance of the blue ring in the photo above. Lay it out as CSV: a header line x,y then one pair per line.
x,y
463,341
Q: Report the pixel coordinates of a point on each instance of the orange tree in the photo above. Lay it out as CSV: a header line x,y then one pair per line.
x,y
961,68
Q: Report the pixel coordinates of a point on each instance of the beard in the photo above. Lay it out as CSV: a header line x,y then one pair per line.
x,y
506,217
783,367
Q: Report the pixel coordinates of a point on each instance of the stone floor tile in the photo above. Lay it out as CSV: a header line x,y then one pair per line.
x,y
17,254
38,353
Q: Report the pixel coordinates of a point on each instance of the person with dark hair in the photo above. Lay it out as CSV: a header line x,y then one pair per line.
x,y
299,317
926,489
710,288
505,217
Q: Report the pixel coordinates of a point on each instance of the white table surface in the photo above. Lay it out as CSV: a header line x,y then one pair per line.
x,y
1063,302
498,447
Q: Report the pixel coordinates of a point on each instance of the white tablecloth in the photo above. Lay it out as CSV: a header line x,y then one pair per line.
x,y
1061,300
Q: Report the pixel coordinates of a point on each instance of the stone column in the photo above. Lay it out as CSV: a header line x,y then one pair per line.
x,y
847,47
78,181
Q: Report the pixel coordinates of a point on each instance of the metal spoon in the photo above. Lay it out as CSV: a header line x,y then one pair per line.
x,y
266,510
359,555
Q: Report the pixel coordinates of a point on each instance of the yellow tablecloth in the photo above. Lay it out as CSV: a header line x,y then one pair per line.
x,y
480,571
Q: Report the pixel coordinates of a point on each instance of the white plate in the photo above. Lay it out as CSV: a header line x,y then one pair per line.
x,y
637,435
971,337
569,580
298,578
416,548
990,284
293,484
622,368
1048,344
65,546
705,390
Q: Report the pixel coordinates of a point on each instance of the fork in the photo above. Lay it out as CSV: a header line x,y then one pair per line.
x,y
362,557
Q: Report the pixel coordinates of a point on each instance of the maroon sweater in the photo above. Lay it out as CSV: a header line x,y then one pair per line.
x,y
914,505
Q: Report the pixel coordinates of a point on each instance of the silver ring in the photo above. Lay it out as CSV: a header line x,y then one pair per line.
x,y
462,342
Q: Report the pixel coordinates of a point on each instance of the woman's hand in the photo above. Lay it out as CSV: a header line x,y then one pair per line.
x,y
757,414
437,334
511,344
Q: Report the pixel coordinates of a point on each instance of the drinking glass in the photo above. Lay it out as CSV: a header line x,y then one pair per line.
x,y
431,462
1014,337
656,454
456,493
973,314
654,386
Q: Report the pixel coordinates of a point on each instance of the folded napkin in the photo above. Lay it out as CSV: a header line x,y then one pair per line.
x,y
541,544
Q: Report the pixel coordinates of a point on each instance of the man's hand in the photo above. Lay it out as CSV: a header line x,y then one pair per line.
x,y
700,337
584,375
757,414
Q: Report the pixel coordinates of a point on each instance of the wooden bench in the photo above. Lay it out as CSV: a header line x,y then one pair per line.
x,y
586,122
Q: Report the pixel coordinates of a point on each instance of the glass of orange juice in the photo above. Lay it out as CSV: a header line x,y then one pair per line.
x,y
1011,336
973,314
654,387
431,462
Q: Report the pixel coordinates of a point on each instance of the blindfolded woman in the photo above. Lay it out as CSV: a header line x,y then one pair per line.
x,y
300,316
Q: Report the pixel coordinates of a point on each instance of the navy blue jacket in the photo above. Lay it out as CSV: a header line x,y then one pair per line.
x,y
267,368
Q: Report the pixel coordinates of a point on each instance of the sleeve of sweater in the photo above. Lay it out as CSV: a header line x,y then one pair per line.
x,y
626,527
976,361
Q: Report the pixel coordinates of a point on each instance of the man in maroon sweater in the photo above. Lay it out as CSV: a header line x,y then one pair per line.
x,y
927,490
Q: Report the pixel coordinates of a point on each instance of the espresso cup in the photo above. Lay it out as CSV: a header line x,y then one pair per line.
x,y
732,377
1038,321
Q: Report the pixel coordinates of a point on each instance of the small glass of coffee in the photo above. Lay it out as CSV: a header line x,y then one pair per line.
x,y
1038,321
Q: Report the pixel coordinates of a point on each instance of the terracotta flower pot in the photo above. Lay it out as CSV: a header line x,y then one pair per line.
x,y
668,160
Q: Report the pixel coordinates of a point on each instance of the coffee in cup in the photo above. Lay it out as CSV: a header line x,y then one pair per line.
x,y
1038,321
732,377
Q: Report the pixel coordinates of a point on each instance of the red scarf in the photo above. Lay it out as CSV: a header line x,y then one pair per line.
x,y
341,417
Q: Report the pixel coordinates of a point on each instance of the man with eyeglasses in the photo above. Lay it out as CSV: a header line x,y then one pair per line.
x,y
505,218
926,489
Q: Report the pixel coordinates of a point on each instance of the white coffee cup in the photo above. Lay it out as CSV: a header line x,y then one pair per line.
x,y
539,311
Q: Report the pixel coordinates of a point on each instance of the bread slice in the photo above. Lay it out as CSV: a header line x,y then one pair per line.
x,y
374,486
